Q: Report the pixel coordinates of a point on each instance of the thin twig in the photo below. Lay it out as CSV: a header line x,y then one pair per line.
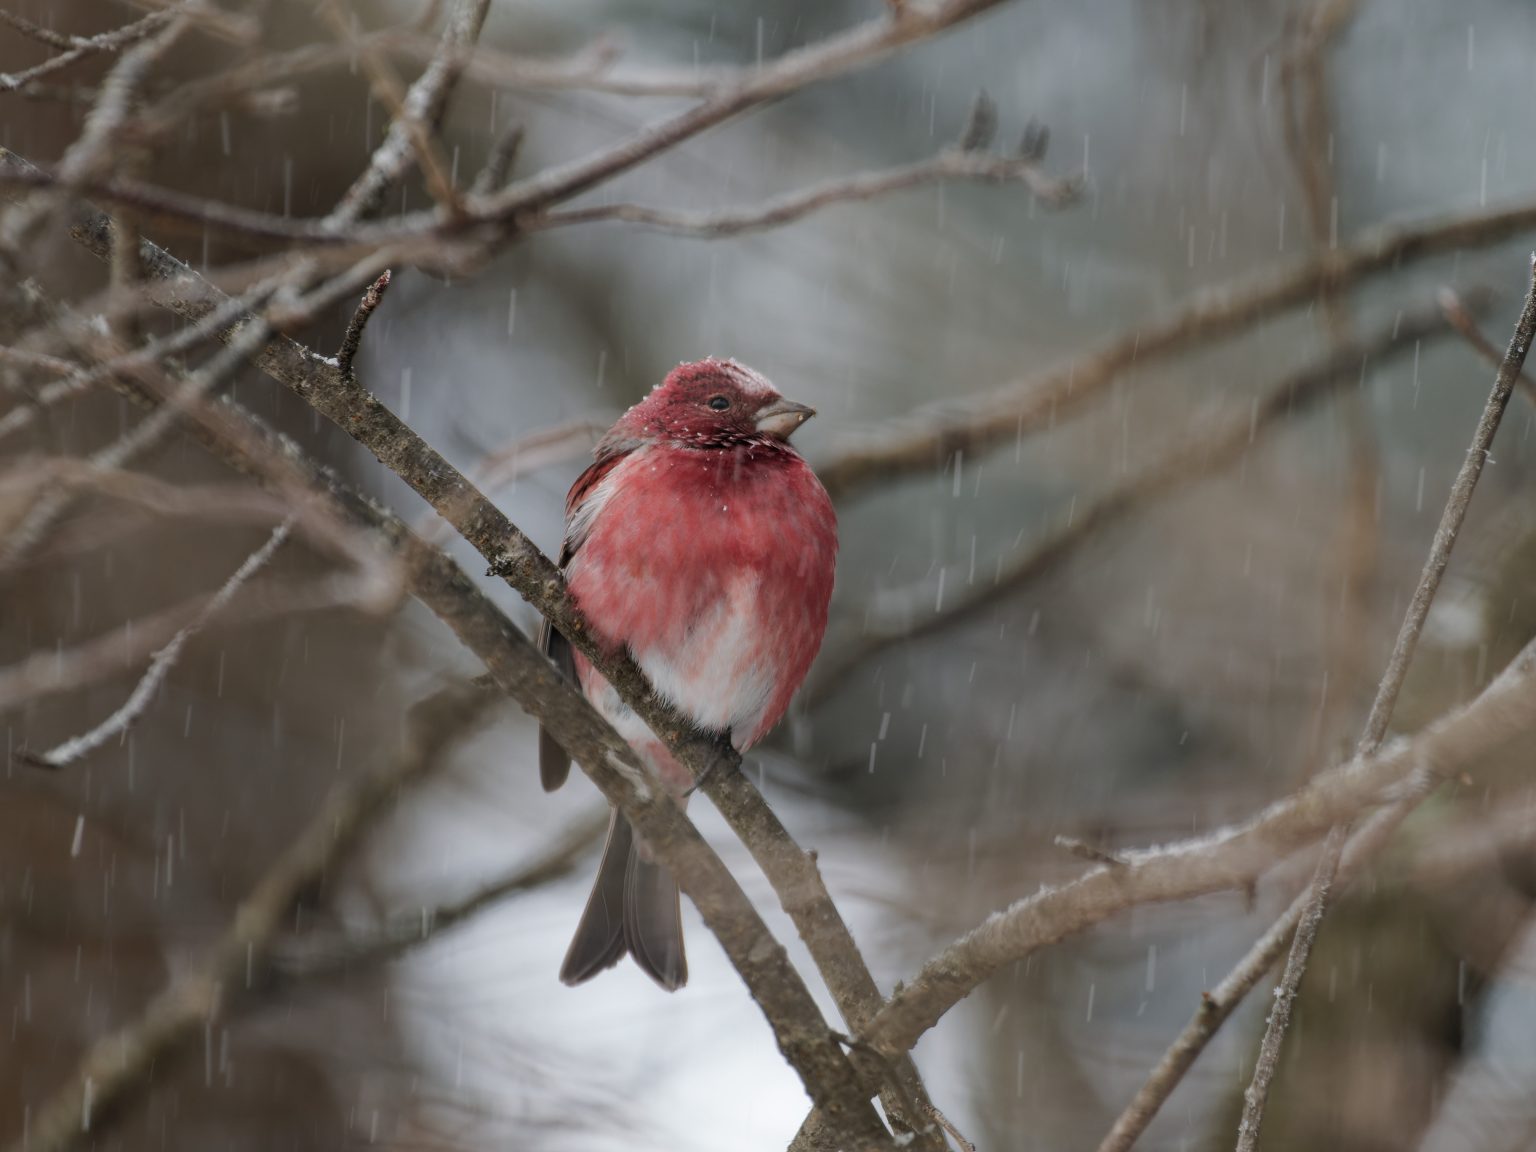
x,y
1255,1098
42,35
954,1133
951,164
417,114
1461,319
1314,904
160,667
1450,524
354,334
79,49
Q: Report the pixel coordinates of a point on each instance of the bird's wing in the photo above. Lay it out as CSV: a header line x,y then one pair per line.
x,y
554,761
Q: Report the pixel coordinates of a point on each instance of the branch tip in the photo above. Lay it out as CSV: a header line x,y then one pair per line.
x,y
354,336
1034,142
980,124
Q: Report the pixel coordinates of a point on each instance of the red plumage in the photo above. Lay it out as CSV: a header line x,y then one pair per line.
x,y
703,543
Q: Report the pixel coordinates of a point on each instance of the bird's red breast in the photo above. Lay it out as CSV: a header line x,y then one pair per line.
x,y
714,566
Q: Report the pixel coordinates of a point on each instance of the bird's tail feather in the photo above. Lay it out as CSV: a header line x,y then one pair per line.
x,y
653,922
634,907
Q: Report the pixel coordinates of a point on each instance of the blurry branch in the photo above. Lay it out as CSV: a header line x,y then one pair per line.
x,y
1386,701
49,671
119,1064
98,151
1307,112
964,160
22,534
519,669
1480,843
1219,1003
503,466
591,68
499,163
1230,858
373,583
21,358
417,114
146,356
930,436
226,503
1461,319
77,48
1215,443
859,47
160,667
1309,133
499,216
317,957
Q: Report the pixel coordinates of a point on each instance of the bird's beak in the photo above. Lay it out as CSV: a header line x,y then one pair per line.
x,y
779,418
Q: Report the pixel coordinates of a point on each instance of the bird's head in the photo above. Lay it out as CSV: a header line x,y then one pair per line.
x,y
713,403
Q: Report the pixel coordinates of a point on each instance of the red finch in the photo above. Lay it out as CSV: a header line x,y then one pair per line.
x,y
700,541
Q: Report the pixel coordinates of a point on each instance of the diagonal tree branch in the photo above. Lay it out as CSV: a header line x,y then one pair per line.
x,y
809,1047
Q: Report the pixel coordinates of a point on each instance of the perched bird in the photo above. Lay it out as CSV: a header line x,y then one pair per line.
x,y
700,541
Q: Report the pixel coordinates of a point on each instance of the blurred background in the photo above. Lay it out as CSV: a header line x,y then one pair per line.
x,y
1187,663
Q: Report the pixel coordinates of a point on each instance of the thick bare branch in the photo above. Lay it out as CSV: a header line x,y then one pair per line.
x,y
807,1045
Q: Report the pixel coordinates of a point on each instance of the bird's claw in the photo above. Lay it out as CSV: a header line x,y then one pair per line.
x,y
723,754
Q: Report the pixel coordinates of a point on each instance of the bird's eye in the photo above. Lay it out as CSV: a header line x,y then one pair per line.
x,y
719,403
